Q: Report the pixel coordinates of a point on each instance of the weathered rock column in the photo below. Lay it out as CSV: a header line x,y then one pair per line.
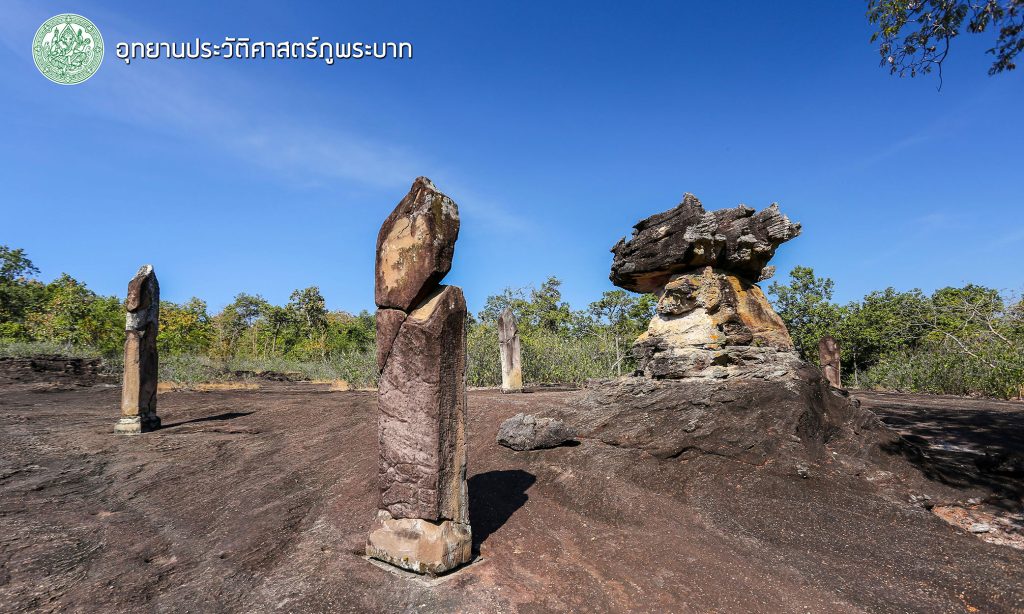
x,y
423,521
142,324
828,357
511,357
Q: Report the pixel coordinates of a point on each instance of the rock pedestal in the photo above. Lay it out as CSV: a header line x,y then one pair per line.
x,y
142,324
712,320
511,353
828,357
423,521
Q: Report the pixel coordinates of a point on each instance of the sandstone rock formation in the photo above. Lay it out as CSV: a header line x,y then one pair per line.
x,y
142,324
828,357
528,432
423,521
511,356
415,246
688,237
712,320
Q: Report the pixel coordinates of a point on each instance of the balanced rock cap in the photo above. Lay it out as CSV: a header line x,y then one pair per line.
x,y
687,237
415,246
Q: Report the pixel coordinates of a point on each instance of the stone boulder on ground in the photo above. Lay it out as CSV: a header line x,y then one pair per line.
x,y
528,432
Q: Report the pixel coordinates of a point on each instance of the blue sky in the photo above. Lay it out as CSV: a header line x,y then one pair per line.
x,y
554,126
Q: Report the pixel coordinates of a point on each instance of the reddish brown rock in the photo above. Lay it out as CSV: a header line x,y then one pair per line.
x,y
138,392
688,237
829,358
415,246
388,323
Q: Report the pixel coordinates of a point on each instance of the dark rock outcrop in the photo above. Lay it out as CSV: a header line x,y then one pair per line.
x,y
688,237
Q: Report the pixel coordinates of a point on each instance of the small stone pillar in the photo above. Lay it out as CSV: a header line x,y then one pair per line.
x,y
423,519
828,357
138,394
511,360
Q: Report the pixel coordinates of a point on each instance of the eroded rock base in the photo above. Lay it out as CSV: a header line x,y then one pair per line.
x,y
132,425
419,545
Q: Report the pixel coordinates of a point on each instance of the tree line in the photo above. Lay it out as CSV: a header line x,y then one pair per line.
x,y
957,340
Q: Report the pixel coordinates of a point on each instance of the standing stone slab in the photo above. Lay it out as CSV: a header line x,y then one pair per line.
x,y
142,324
828,357
423,521
422,404
415,246
511,356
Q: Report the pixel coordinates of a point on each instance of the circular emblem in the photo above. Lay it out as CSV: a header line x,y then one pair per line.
x,y
68,49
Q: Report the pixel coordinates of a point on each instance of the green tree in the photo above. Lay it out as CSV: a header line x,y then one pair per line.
x,y
185,328
915,36
805,305
350,333
20,294
884,322
309,323
73,315
624,317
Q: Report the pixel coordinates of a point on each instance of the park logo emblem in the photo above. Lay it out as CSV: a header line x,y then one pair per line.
x,y
68,49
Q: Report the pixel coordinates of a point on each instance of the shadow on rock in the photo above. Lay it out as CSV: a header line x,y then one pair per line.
x,y
963,449
493,497
230,415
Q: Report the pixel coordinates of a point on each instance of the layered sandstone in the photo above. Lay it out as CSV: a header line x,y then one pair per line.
x,y
712,320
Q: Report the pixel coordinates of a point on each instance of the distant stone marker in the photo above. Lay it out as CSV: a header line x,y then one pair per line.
x,y
828,357
423,521
511,358
142,324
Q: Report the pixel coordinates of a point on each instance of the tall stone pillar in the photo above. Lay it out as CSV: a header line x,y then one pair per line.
x,y
423,519
828,357
511,359
142,324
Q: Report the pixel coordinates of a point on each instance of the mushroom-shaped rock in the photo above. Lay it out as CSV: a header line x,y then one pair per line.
x,y
415,246
687,237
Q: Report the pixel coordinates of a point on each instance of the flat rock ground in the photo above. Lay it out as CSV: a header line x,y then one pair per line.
x,y
259,500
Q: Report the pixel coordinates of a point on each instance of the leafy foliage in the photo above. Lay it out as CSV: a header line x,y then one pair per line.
x,y
967,340
915,35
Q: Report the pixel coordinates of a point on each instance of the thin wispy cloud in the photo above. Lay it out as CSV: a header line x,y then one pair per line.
x,y
224,113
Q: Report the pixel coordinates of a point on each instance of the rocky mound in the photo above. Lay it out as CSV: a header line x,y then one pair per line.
x,y
790,421
53,369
